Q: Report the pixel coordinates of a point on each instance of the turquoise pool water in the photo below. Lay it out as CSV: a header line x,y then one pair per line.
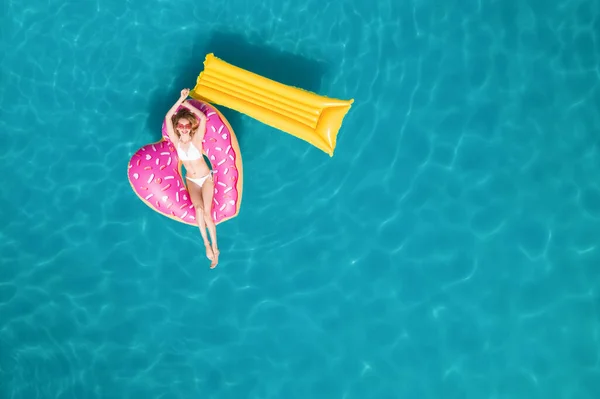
x,y
449,249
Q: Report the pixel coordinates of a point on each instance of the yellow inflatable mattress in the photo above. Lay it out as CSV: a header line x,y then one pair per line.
x,y
306,115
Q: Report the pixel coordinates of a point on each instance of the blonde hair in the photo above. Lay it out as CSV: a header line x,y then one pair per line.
x,y
185,114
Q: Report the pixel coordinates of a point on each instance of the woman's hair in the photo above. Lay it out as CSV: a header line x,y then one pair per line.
x,y
185,113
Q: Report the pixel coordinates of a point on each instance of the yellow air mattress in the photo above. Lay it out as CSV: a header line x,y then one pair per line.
x,y
308,116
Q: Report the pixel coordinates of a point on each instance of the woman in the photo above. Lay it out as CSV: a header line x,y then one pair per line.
x,y
186,130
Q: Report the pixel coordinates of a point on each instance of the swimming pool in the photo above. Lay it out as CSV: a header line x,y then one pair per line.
x,y
448,249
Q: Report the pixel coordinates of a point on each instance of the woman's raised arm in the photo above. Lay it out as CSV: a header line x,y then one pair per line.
x,y
169,122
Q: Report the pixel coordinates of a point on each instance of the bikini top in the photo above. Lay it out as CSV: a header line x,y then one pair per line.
x,y
191,155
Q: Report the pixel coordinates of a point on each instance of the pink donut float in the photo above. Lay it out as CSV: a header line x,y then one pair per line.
x,y
155,172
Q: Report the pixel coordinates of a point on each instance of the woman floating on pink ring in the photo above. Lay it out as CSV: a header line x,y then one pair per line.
x,y
186,134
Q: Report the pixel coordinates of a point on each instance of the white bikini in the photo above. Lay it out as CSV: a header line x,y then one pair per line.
x,y
192,155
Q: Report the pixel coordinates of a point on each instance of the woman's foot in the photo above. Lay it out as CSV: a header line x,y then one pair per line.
x,y
215,259
209,252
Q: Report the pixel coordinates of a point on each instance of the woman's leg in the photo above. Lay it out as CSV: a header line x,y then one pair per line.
x,y
196,197
208,191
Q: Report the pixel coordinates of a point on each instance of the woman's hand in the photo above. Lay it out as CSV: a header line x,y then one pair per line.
x,y
185,93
